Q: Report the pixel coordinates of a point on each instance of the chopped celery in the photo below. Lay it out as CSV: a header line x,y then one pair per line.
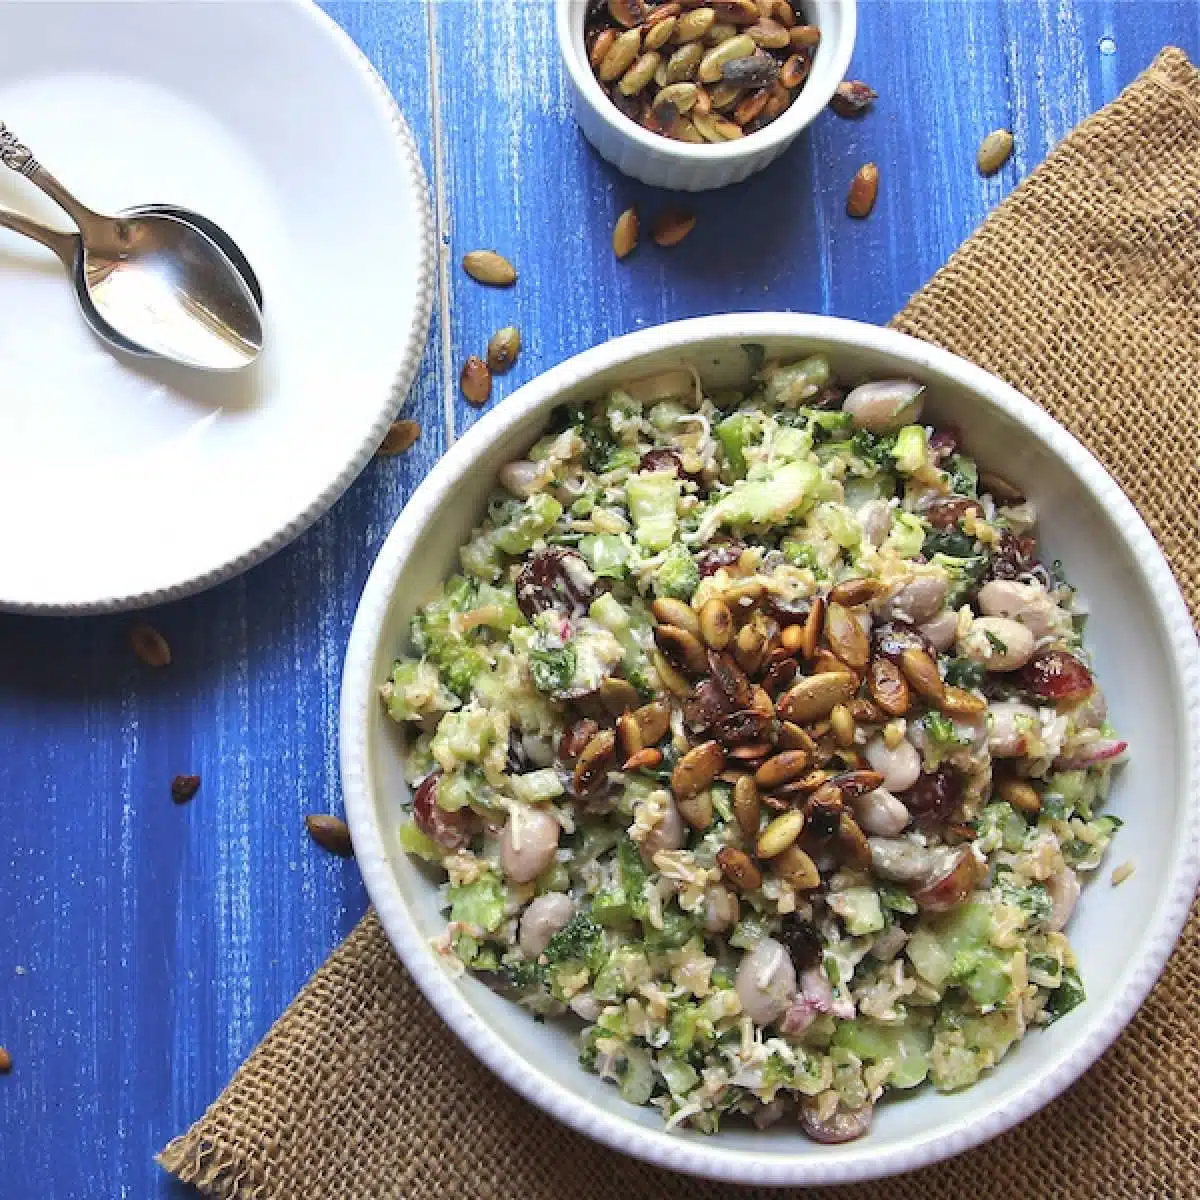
x,y
537,786
653,497
735,433
770,501
415,842
608,554
532,521
791,385
911,451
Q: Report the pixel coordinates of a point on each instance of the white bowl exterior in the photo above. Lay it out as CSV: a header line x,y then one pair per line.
x,y
665,163
1123,935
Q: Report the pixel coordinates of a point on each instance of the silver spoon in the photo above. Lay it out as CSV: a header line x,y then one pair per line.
x,y
159,282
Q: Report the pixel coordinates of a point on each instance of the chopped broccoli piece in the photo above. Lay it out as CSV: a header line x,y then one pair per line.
x,y
830,426
1068,995
533,520
522,976
678,576
579,940
964,475
607,553
911,450
631,872
876,448
940,730
965,672
480,903
952,543
735,433
772,501
1033,899
552,667
791,385
653,499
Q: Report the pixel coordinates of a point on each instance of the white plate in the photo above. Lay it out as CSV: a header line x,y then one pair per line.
x,y
123,485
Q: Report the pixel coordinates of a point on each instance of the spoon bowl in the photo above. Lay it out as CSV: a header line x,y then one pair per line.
x,y
157,278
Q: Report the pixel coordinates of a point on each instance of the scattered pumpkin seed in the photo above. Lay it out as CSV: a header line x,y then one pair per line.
x,y
476,381
713,63
769,34
625,233
659,34
994,151
747,807
853,98
330,833
780,834
150,645
601,45
486,266
671,226
401,436
797,868
644,760
503,348
694,25
796,70
805,37
184,787
683,64
6,1061
863,190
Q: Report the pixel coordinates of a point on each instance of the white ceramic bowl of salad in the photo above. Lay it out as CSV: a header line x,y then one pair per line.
x,y
1138,635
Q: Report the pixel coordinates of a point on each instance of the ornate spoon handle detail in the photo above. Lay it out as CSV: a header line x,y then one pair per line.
x,y
14,153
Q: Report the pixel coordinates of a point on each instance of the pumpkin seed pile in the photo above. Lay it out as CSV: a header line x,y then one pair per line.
x,y
754,737
700,72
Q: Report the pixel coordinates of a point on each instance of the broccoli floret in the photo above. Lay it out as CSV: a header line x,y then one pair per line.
x,y
458,661
800,554
678,577
1033,899
523,976
1068,995
940,730
877,448
533,520
965,672
952,543
631,872
964,575
552,667
598,442
964,475
580,940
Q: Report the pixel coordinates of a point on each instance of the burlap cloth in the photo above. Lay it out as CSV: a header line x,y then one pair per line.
x,y
1082,290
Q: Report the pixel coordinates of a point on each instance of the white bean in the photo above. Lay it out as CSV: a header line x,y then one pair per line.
x,y
998,643
880,813
886,405
942,630
1009,723
1028,603
523,478
900,766
543,918
875,517
917,601
720,909
766,982
1064,891
528,843
585,1005
669,834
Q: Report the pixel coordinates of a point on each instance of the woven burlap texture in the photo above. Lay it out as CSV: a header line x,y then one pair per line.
x,y
1082,290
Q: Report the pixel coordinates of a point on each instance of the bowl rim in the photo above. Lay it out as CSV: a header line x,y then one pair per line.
x,y
799,114
707,1158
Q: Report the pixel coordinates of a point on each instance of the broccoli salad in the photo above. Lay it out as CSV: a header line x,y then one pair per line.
x,y
755,739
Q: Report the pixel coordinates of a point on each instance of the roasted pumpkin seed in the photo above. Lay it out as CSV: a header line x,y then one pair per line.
x,y
921,671
1021,795
628,12
813,625
682,649
486,266
629,735
683,64
757,71
696,810
796,70
150,645
600,46
6,1061
714,128
618,695
675,99
653,720
597,759
625,234
697,769
1000,489
184,787
813,699
750,107
713,64
475,381
958,702
503,348
640,74
805,37
779,834
846,636
852,98
330,833
888,687
844,727
747,807
793,737
671,226
736,12
852,592
694,25
852,843
796,867
659,34
644,760
716,623
864,188
738,867
783,768
769,34
671,679
401,436
621,56
994,151
669,611
792,638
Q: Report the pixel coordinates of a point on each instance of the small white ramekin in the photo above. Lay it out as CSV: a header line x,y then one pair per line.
x,y
663,162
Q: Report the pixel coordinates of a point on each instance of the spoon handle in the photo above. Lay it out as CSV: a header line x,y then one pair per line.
x,y
63,244
101,233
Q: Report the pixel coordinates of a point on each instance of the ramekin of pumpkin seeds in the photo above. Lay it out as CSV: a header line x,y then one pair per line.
x,y
695,94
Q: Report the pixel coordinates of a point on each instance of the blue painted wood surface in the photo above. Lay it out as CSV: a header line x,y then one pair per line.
x,y
144,947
